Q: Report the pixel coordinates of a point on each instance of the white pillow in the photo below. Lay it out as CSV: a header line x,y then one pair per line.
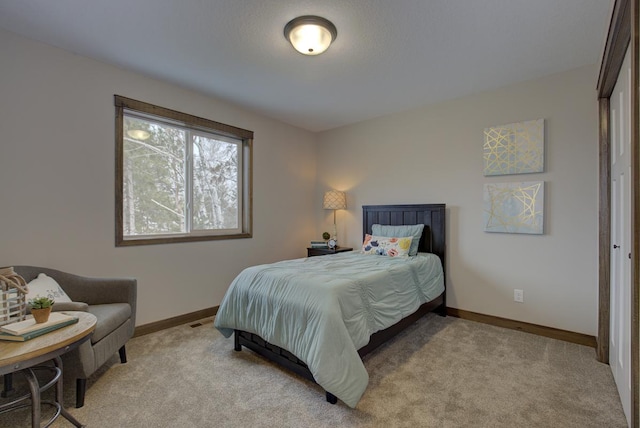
x,y
45,286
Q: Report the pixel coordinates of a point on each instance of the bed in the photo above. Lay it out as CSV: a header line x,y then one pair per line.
x,y
319,316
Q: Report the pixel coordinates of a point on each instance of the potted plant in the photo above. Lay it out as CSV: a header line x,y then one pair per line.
x,y
41,308
326,236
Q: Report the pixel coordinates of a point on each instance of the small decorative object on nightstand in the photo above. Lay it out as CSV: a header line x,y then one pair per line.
x,y
312,252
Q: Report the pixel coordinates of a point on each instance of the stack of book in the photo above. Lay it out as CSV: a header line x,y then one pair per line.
x,y
319,244
28,329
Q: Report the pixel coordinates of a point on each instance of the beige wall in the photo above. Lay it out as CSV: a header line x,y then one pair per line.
x,y
57,187
434,154
57,180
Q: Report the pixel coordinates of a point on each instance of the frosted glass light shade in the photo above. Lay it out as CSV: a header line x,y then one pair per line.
x,y
138,134
310,35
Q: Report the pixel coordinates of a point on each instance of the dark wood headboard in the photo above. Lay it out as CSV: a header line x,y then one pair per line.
x,y
431,215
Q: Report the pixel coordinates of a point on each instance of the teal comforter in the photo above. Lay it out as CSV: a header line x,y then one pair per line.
x,y
323,309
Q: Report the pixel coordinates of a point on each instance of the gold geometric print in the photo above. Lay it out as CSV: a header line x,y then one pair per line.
x,y
516,148
514,207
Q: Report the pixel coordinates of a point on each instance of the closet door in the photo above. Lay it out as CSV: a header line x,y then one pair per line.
x,y
621,239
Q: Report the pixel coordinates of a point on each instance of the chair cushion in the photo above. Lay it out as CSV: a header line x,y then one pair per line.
x,y
110,316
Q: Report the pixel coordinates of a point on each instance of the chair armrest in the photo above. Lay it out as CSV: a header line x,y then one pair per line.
x,y
66,306
99,291
69,306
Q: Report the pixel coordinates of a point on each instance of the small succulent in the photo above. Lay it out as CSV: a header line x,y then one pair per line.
x,y
40,303
326,236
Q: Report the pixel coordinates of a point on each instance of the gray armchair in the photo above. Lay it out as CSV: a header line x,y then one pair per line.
x,y
112,301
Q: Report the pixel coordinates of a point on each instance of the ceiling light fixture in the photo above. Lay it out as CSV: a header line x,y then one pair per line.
x,y
310,35
138,134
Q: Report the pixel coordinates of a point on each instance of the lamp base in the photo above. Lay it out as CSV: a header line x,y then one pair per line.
x,y
335,230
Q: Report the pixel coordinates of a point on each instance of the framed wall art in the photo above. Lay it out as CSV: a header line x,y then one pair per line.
x,y
514,207
516,148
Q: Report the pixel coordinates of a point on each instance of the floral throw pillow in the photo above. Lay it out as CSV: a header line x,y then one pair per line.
x,y
384,246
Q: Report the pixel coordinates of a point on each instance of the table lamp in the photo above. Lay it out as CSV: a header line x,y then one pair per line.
x,y
334,200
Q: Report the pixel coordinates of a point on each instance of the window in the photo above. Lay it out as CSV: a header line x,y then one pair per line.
x,y
179,177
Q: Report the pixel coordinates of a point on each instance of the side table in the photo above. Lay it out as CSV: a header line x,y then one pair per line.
x,y
25,356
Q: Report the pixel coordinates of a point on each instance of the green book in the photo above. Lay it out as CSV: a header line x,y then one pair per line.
x,y
35,333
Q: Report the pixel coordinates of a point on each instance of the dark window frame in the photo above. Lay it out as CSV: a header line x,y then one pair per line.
x,y
194,122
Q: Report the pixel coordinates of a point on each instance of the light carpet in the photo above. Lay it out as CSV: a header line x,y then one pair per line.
x,y
441,372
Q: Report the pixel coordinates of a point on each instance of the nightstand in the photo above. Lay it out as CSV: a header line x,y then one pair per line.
x,y
312,252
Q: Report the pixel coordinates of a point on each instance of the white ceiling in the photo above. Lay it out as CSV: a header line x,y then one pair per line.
x,y
389,55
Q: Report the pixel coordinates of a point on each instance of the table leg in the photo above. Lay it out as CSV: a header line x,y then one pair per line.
x,y
59,396
34,387
7,390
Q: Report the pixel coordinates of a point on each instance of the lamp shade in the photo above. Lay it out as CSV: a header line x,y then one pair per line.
x,y
310,35
334,200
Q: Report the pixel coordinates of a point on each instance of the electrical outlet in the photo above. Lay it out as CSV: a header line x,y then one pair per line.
x,y
518,295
